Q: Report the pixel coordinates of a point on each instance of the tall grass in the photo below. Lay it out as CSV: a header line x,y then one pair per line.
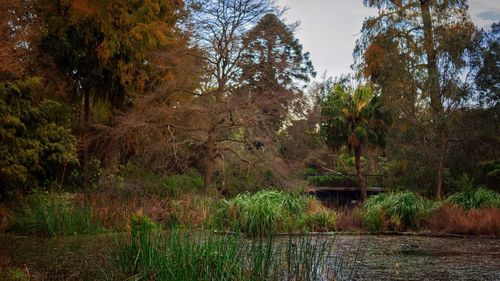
x,y
52,214
456,220
477,198
396,211
269,212
180,255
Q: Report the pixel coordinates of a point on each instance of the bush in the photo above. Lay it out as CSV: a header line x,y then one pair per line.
x,y
327,180
162,185
475,199
52,214
268,212
399,211
33,142
262,213
237,180
13,274
317,217
321,221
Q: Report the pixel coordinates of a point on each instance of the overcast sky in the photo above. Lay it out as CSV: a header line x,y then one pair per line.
x,y
329,28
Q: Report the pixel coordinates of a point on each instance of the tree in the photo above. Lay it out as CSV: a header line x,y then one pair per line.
x,y
354,117
488,77
33,144
221,106
273,63
420,54
109,48
18,31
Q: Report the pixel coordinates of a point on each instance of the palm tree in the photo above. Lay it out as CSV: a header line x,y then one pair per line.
x,y
354,117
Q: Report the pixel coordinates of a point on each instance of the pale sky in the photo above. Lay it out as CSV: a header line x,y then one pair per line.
x,y
329,28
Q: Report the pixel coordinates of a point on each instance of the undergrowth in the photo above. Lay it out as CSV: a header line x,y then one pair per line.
x,y
51,214
269,212
396,211
477,198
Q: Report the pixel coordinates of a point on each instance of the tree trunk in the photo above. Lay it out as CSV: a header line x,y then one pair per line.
x,y
208,165
208,173
438,189
119,98
334,161
432,83
439,181
86,120
361,179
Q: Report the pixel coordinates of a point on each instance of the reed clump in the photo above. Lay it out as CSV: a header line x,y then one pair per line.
x,y
151,253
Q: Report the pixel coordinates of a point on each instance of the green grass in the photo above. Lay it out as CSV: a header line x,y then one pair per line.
x,y
477,198
400,211
182,255
50,214
261,214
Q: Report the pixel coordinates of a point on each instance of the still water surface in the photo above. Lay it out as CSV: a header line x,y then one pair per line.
x,y
371,257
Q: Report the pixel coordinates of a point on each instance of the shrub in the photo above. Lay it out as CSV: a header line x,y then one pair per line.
x,y
13,274
52,214
321,221
155,184
34,143
399,211
326,180
475,198
317,217
140,224
262,213
269,212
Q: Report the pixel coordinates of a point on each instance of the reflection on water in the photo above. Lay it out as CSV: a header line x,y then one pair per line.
x,y
376,257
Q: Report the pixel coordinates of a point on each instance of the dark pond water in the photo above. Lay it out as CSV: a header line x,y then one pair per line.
x,y
373,257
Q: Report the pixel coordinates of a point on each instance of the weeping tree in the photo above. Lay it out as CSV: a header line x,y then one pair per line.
x,y
354,117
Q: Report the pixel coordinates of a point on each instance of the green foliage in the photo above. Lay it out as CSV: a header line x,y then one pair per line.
x,y
401,210
52,214
141,224
163,185
33,147
353,117
273,61
237,180
492,168
13,274
260,214
323,220
326,180
198,256
475,198
96,175
105,55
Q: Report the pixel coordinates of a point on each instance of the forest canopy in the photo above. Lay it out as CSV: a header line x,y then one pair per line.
x,y
225,88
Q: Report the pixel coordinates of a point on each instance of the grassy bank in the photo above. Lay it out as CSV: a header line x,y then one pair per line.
x,y
463,213
257,215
